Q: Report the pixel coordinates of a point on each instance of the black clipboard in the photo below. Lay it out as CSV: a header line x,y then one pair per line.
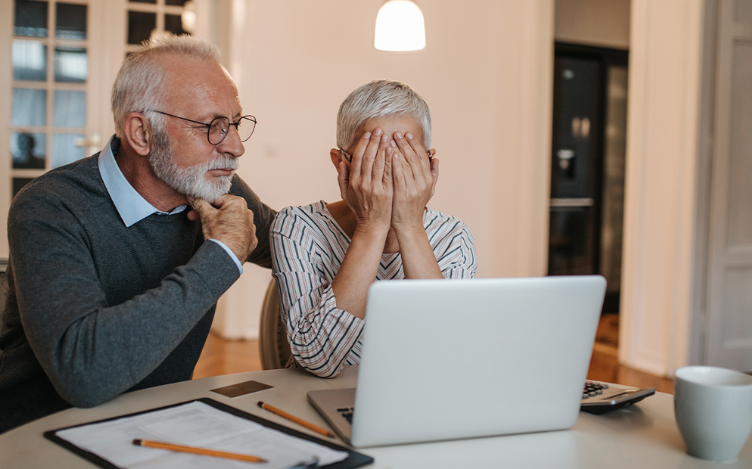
x,y
354,459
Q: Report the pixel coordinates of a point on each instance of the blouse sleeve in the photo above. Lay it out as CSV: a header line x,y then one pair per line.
x,y
321,336
454,247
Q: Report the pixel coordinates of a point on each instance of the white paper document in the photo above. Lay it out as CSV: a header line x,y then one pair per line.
x,y
194,424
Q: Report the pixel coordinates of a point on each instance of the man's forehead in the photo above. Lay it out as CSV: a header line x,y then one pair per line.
x,y
202,83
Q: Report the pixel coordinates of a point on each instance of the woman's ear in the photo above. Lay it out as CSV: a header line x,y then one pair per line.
x,y
138,133
337,157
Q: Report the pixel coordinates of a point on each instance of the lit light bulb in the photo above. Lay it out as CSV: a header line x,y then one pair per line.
x,y
188,17
400,27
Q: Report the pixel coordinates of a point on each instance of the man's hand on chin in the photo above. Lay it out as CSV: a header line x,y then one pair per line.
x,y
228,220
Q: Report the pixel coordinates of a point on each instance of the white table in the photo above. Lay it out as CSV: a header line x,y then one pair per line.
x,y
642,436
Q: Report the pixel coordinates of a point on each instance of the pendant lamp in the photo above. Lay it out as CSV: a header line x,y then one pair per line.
x,y
400,27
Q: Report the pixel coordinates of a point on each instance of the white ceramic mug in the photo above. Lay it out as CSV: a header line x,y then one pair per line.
x,y
713,408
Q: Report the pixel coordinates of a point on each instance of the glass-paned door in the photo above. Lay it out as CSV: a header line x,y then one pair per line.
x,y
147,18
50,67
60,60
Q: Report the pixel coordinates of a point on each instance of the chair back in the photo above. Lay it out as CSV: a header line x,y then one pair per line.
x,y
273,344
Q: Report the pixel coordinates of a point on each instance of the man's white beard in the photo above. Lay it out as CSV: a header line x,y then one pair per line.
x,y
191,180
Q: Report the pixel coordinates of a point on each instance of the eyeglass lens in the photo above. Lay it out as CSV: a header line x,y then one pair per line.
x,y
220,126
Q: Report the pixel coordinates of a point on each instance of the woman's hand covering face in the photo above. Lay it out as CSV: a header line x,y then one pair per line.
x,y
367,185
415,177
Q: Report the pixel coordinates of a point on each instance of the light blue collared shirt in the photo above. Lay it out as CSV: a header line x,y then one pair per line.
x,y
131,206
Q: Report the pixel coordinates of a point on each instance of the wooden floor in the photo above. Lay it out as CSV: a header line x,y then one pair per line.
x,y
604,364
222,357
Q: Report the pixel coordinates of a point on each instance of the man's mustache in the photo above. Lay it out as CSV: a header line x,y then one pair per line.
x,y
223,162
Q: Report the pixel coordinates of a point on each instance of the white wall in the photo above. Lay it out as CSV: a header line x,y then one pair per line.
x,y
665,149
593,22
485,73
6,79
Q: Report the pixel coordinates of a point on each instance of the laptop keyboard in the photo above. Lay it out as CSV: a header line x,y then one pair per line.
x,y
347,413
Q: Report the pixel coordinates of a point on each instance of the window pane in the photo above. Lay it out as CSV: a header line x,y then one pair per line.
x,y
174,24
70,109
31,19
29,107
71,64
28,150
18,184
29,60
175,2
71,21
140,26
65,150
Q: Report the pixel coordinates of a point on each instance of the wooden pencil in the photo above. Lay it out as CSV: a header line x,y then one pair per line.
x,y
295,419
201,451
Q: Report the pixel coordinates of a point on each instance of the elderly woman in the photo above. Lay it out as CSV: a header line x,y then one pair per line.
x,y
326,255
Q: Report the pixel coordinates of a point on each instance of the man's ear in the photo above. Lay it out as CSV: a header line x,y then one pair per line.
x,y
336,157
138,133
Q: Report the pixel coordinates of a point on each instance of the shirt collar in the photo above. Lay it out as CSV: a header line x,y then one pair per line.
x,y
131,206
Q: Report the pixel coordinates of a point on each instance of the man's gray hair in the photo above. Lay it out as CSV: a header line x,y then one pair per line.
x,y
140,83
380,99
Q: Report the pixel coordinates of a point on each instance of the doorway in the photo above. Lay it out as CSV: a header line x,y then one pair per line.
x,y
586,213
588,164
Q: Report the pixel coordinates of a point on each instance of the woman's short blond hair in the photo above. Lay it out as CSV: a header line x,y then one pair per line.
x,y
381,99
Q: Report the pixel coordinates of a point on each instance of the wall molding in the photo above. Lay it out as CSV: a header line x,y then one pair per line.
x,y
661,194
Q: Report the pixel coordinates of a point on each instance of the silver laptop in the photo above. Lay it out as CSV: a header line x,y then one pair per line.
x,y
468,358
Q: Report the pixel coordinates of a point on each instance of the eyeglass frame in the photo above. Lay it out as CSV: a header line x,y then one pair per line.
x,y
209,125
349,156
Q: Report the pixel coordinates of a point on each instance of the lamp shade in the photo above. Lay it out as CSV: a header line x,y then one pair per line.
x,y
400,27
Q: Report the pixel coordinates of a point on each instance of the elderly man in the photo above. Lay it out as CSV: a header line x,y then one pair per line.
x,y
113,278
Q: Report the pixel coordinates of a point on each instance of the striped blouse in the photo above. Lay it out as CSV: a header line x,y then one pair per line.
x,y
308,250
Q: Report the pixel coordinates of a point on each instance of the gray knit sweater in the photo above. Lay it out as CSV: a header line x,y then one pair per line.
x,y
95,309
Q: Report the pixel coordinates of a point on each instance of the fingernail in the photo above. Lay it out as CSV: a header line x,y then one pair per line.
x,y
398,134
384,138
393,143
409,136
366,135
377,132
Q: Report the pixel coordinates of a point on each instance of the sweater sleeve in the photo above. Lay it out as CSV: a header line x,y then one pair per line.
x,y
91,350
322,337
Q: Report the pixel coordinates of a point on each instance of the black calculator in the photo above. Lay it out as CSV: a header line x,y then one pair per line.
x,y
599,398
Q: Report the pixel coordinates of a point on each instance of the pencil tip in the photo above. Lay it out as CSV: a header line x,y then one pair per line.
x,y
137,442
260,404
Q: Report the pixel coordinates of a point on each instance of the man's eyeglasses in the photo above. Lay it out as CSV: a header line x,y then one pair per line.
x,y
219,127
349,156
